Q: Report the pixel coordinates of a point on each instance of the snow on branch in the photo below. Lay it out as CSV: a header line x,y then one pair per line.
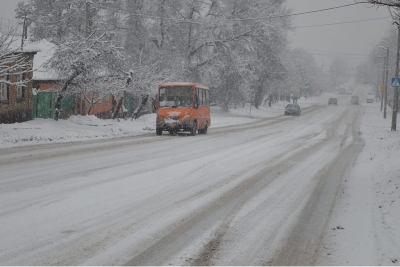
x,y
13,59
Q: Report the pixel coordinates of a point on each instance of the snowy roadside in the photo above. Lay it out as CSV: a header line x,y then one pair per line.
x,y
365,224
82,128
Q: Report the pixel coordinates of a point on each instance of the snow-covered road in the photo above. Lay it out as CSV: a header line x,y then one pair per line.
x,y
241,195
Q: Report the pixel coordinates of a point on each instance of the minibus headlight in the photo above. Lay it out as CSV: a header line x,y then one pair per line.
x,y
186,117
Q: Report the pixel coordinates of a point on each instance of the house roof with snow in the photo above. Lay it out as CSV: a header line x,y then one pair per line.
x,y
43,50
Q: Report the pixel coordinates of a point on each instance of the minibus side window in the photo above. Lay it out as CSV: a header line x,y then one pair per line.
x,y
163,99
201,97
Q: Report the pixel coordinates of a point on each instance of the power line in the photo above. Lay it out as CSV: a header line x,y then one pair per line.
x,y
338,23
261,18
1,18
297,14
337,53
10,22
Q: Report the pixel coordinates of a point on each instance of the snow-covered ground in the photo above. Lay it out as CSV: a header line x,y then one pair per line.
x,y
81,128
365,223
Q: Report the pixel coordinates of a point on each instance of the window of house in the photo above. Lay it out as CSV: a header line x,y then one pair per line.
x,y
108,99
20,86
4,87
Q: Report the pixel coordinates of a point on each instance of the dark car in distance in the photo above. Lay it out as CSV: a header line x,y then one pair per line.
x,y
354,100
332,101
292,109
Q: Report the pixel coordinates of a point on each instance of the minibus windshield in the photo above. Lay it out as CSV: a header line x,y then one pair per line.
x,y
176,96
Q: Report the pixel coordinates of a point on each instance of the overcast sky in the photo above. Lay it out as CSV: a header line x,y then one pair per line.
x,y
351,38
7,8
356,38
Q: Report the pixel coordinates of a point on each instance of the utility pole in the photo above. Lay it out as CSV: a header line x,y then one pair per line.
x,y
386,79
83,99
86,18
24,30
382,89
395,89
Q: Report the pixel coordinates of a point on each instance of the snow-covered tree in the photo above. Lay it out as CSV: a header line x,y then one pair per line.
x,y
24,14
338,71
90,59
249,36
371,70
303,74
56,20
12,59
206,41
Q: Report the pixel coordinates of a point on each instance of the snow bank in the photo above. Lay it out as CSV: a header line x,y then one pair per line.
x,y
82,128
365,225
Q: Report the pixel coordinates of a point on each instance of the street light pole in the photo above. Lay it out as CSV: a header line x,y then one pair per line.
x,y
383,80
395,89
386,78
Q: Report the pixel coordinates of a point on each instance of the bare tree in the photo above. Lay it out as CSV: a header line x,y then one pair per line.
x,y
394,8
12,58
387,3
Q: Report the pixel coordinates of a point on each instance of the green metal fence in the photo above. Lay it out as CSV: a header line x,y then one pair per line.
x,y
43,104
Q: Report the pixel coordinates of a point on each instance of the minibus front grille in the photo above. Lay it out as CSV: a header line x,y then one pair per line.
x,y
173,118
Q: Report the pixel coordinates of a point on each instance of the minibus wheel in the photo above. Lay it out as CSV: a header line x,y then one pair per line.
x,y
158,131
204,131
194,129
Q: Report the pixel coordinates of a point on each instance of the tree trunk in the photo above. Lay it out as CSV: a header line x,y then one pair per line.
x,y
113,102
258,96
84,104
61,93
136,114
270,100
90,108
115,114
265,101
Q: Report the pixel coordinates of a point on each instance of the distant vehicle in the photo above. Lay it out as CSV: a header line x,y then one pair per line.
x,y
370,97
183,107
292,109
332,101
354,100
342,91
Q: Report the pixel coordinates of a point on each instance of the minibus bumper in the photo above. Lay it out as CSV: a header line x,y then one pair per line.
x,y
175,126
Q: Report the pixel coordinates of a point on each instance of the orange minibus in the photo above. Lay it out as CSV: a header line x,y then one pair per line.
x,y
183,107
